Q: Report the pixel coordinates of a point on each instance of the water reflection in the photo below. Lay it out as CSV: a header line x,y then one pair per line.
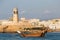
x,y
15,36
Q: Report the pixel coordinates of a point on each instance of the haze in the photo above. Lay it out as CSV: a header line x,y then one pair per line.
x,y
41,9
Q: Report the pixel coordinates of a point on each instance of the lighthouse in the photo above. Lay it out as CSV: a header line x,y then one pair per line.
x,y
15,15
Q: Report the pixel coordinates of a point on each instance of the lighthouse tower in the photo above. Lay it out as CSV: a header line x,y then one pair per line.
x,y
15,15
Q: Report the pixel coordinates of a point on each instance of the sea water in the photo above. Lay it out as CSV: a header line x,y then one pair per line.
x,y
16,36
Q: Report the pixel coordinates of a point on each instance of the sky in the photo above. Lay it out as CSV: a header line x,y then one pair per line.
x,y
40,9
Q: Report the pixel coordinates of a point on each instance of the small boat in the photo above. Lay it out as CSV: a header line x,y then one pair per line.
x,y
33,33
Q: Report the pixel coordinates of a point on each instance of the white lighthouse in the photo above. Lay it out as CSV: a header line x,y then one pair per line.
x,y
15,15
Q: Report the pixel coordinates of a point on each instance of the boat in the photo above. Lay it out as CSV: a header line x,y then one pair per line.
x,y
33,32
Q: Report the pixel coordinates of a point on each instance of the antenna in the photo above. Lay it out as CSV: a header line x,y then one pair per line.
x,y
23,13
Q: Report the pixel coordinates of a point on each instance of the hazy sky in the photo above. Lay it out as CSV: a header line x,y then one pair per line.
x,y
42,9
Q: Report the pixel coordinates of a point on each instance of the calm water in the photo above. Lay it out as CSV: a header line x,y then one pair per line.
x,y
15,36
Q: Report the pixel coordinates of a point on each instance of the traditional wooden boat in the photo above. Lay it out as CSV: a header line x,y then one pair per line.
x,y
33,32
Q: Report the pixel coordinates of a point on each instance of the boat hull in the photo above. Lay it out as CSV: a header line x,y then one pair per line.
x,y
36,34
